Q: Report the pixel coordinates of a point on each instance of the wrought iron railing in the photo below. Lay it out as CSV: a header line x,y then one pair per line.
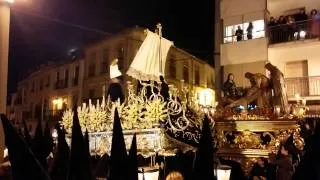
x,y
305,86
300,30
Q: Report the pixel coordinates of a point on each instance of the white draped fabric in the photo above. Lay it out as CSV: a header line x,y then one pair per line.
x,y
146,64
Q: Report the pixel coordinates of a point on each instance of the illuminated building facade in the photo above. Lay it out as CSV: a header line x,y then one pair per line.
x,y
53,88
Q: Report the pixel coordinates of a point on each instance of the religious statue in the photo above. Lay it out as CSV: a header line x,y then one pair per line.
x,y
115,90
259,91
279,88
230,89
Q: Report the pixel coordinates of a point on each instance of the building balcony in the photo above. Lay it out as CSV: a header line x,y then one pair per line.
x,y
305,86
60,84
18,101
298,31
75,81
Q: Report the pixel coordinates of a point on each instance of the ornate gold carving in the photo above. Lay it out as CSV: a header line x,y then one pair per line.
x,y
247,139
248,144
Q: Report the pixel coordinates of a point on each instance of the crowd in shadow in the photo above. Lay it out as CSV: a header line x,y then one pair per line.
x,y
294,27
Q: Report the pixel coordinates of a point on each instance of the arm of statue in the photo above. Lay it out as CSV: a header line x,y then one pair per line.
x,y
251,96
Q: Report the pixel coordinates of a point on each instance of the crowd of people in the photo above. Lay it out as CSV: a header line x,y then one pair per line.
x,y
239,32
287,28
294,27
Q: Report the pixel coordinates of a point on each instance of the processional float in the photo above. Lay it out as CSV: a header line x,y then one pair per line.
x,y
164,125
161,124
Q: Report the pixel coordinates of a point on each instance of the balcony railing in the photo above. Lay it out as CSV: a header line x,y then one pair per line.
x,y
300,30
305,86
75,81
60,84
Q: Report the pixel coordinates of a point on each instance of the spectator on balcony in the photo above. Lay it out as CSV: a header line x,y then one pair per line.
x,y
291,28
315,24
282,29
249,30
273,29
301,21
239,34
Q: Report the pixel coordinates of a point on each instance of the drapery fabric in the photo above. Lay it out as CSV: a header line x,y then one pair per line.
x,y
146,64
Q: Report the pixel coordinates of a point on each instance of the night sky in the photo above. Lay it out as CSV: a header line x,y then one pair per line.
x,y
44,30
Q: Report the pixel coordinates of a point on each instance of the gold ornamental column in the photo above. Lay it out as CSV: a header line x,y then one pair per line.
x,y
4,54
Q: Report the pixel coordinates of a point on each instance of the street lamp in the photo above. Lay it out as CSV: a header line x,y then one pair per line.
x,y
4,53
223,172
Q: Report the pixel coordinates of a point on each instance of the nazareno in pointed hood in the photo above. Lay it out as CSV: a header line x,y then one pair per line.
x,y
132,160
204,160
119,156
23,162
78,169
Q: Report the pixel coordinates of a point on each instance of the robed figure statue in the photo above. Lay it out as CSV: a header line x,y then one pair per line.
x,y
115,89
279,88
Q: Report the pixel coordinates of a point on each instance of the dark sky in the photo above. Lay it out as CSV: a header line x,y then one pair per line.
x,y
44,30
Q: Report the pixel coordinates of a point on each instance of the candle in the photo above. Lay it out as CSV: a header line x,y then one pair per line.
x,y
277,111
304,102
103,101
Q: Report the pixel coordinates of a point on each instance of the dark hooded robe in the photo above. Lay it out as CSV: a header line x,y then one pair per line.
x,y
278,85
115,92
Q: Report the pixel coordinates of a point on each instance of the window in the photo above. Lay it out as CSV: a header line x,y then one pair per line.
x,y
58,76
92,56
41,84
120,57
186,74
258,31
92,93
296,69
74,100
92,69
197,75
32,87
172,68
66,78
105,61
76,76
48,81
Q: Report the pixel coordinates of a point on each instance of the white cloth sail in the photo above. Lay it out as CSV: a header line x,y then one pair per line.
x,y
146,64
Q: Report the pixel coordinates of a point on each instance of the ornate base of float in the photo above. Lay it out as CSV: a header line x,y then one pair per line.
x,y
149,142
246,140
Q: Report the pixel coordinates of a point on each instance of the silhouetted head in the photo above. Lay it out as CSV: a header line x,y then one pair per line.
x,y
268,66
313,12
248,75
281,18
272,19
230,77
284,150
261,161
161,78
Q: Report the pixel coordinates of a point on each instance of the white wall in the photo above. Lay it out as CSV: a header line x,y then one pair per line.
x,y
279,7
239,71
244,51
230,8
290,52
